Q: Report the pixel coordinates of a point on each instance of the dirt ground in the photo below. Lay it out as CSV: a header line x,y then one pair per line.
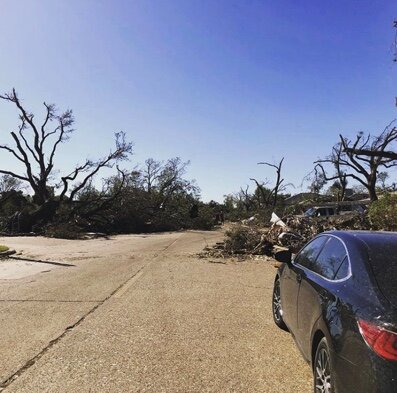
x,y
140,313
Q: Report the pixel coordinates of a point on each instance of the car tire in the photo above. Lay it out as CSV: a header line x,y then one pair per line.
x,y
322,369
276,306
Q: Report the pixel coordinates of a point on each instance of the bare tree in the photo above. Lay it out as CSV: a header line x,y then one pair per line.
x,y
264,194
30,145
90,168
271,197
362,159
317,181
36,145
151,173
378,146
245,198
339,176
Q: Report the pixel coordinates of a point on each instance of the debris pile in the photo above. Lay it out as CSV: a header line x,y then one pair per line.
x,y
295,231
240,241
247,240
292,232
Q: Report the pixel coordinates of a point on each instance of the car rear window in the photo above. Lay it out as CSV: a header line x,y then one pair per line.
x,y
382,252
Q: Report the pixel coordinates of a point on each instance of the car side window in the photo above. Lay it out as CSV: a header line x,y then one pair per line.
x,y
308,254
330,259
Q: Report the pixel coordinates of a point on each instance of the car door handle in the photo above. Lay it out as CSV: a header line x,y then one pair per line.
x,y
299,278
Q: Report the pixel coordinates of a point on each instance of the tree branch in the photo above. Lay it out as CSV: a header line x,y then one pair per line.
x,y
14,175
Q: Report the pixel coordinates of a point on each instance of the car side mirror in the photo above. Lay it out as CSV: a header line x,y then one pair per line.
x,y
283,255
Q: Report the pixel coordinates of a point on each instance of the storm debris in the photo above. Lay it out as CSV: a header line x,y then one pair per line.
x,y
291,232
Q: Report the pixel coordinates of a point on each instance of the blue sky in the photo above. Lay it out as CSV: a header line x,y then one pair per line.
x,y
222,83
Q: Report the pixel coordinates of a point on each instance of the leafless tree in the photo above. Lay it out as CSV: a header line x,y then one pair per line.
x,y
270,198
378,146
245,198
337,160
316,181
151,173
36,144
90,168
362,158
264,195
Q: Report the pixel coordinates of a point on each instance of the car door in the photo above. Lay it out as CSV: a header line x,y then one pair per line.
x,y
316,291
291,279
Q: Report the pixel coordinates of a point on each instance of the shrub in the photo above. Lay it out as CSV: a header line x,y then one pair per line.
x,y
205,219
383,213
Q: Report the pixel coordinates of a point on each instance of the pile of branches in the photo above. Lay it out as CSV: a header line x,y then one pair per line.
x,y
241,240
292,232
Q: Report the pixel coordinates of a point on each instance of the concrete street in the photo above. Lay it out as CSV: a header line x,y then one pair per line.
x,y
141,313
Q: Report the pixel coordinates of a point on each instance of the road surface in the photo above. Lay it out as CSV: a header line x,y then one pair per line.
x,y
140,313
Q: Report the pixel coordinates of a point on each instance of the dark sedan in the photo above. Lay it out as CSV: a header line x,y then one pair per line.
x,y
338,298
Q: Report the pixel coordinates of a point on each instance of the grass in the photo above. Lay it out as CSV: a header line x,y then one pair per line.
x,y
3,248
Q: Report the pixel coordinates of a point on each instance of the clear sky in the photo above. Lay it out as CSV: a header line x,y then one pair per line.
x,y
223,83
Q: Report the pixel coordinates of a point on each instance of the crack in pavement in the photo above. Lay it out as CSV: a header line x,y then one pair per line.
x,y
172,243
5,383
32,361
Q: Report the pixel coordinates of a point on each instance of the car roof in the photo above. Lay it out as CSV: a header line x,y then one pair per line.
x,y
360,246
364,236
359,241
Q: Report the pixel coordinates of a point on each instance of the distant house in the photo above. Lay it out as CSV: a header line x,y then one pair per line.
x,y
302,197
310,198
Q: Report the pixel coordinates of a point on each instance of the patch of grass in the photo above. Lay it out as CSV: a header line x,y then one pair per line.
x,y
3,248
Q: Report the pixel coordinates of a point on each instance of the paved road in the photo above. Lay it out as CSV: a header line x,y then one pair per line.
x,y
141,314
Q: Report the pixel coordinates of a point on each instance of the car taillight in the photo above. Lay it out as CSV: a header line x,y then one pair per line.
x,y
382,341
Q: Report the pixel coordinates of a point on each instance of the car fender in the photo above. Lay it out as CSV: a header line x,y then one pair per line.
x,y
319,330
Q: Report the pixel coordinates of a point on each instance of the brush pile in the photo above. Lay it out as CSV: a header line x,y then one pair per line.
x,y
291,232
295,231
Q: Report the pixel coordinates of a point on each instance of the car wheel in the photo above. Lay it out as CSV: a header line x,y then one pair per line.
x,y
276,306
322,370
